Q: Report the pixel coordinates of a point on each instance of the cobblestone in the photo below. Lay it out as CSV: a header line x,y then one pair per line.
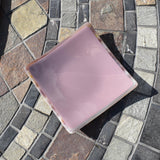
x,y
68,5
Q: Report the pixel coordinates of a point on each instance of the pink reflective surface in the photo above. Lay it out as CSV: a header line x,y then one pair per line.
x,y
80,78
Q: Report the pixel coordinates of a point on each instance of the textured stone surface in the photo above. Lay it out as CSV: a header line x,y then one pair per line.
x,y
130,20
146,59
145,82
129,128
113,40
104,11
146,15
97,153
151,130
136,105
44,4
36,121
52,125
32,96
49,45
129,59
129,4
83,15
83,1
156,98
43,106
117,150
68,5
147,37
29,158
143,153
14,151
65,33
36,43
8,108
40,146
68,19
130,42
3,87
21,117
28,18
55,8
7,138
145,2
106,134
78,148
12,71
21,90
52,30
25,137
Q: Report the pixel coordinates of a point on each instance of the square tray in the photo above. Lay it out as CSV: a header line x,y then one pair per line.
x,y
80,78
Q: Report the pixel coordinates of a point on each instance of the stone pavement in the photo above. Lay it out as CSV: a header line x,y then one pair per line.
x,y
28,128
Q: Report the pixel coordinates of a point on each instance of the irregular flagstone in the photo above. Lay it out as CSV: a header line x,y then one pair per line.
x,y
13,63
107,14
21,90
36,43
117,150
44,4
28,18
129,128
146,15
14,151
25,137
146,59
8,107
65,33
147,37
3,87
145,2
69,146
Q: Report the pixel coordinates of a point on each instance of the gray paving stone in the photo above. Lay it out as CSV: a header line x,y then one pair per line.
x,y
36,121
21,117
145,82
1,158
97,153
143,153
83,15
106,134
52,125
147,37
156,98
146,15
136,105
151,130
32,96
49,45
52,30
130,21
129,4
7,138
29,158
40,146
83,1
55,8
117,150
129,128
129,59
68,5
68,20
146,59
130,42
8,107
14,151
